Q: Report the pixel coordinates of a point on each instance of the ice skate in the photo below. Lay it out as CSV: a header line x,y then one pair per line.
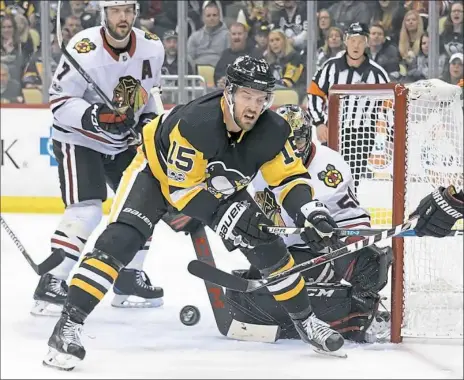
x,y
49,296
379,330
133,289
319,334
65,347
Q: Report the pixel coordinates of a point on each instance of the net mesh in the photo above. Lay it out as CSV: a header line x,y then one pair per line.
x,y
433,268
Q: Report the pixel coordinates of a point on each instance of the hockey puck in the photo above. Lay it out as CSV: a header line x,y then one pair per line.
x,y
189,315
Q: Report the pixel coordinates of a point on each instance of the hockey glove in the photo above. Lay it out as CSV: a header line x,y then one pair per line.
x,y
238,223
144,119
99,117
319,225
439,211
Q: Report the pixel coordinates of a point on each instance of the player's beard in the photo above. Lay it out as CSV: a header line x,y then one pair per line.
x,y
113,32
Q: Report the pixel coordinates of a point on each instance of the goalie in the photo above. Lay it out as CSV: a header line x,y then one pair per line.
x,y
344,292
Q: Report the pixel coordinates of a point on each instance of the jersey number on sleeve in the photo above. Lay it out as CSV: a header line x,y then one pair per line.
x,y
349,200
289,157
65,69
181,157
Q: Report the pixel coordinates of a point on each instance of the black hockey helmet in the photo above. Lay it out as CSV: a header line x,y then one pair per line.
x,y
357,29
299,121
250,72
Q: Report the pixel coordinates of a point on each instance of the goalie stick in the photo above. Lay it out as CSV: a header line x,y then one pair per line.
x,y
55,259
137,138
221,278
227,325
342,232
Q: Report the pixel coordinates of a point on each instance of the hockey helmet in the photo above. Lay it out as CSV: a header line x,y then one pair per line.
x,y
357,29
299,121
115,3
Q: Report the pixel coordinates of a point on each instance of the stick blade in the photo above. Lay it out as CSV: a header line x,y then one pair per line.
x,y
211,274
52,261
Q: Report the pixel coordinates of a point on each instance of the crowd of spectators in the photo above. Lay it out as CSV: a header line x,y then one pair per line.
x,y
219,31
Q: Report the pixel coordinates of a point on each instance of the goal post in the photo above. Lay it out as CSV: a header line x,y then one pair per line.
x,y
403,141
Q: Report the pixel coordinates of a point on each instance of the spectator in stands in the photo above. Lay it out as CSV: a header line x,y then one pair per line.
x,y
452,36
292,21
206,45
11,53
30,38
344,13
389,14
170,57
73,24
410,35
262,40
286,64
238,46
14,7
33,71
383,52
332,46
10,89
419,68
149,10
79,9
324,22
255,15
454,73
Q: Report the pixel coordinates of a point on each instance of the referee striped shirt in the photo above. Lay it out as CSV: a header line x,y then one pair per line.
x,y
337,71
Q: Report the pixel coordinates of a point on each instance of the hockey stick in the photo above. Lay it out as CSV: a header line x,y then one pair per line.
x,y
277,230
227,325
137,139
55,259
219,277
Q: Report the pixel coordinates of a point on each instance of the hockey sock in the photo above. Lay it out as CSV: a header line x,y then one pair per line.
x,y
290,292
139,258
94,277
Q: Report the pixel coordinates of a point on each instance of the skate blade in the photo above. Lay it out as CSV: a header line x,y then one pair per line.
x,y
59,360
336,354
46,309
134,302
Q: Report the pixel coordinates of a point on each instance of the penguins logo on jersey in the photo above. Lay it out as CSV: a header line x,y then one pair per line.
x,y
151,36
268,204
223,182
129,93
331,176
84,46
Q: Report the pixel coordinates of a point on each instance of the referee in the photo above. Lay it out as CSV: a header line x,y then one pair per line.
x,y
358,113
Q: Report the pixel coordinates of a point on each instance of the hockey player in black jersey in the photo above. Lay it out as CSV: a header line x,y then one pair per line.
x,y
199,158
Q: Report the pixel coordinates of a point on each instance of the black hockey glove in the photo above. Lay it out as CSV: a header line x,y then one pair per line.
x,y
99,117
319,225
144,119
238,223
439,211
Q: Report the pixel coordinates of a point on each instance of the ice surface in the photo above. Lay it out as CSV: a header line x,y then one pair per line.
x,y
154,344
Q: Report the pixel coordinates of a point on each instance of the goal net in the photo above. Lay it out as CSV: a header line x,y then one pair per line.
x,y
402,142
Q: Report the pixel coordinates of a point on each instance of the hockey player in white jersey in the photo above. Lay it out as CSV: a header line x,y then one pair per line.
x,y
93,145
344,292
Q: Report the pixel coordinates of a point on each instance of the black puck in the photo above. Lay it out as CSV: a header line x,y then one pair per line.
x,y
189,315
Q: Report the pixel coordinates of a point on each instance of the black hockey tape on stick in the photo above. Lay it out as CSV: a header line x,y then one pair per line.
x,y
55,259
227,325
137,138
221,278
343,232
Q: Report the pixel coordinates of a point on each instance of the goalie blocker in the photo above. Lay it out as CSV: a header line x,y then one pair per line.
x,y
349,306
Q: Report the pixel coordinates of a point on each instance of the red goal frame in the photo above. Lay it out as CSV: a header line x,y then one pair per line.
x,y
400,94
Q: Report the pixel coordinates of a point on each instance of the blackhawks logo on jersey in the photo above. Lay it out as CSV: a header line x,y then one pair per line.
x,y
151,36
331,176
84,46
129,93
268,204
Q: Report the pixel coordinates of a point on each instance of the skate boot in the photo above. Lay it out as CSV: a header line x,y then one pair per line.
x,y
49,296
65,349
133,289
319,334
379,330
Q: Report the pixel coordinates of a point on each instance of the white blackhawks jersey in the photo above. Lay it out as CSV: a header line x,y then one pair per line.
x,y
126,79
333,185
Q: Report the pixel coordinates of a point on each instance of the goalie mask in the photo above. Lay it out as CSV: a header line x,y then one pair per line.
x,y
301,126
249,72
104,17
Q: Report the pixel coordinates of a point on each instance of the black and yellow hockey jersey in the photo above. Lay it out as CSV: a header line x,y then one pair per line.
x,y
199,164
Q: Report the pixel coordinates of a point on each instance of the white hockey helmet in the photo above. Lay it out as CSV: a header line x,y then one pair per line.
x,y
115,3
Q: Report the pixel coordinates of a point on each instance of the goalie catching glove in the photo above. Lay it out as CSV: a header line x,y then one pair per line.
x,y
239,223
439,211
99,117
319,226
